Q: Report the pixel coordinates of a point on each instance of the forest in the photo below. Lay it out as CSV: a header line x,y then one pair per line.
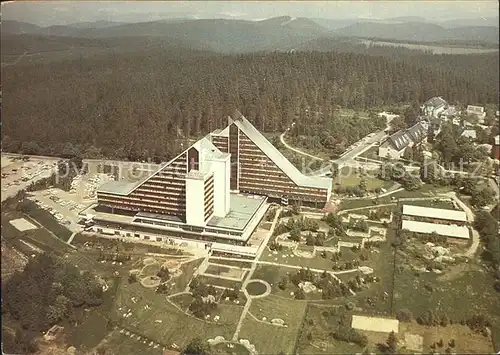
x,y
46,292
140,105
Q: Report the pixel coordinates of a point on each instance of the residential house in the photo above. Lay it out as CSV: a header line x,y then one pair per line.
x,y
469,133
434,107
495,151
395,145
477,111
449,113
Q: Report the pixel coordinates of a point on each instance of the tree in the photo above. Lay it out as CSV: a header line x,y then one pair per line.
x,y
196,347
295,234
300,294
310,240
411,183
430,172
482,197
392,343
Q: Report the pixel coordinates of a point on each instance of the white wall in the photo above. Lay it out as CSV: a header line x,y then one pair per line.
x,y
195,201
222,171
390,152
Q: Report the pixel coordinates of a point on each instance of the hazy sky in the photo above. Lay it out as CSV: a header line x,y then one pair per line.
x,y
48,13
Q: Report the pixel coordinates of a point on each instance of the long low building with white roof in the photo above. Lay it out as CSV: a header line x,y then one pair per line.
x,y
449,231
434,215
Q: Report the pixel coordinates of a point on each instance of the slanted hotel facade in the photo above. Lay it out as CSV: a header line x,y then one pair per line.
x,y
215,190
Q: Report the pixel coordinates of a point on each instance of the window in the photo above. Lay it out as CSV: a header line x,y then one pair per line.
x,y
137,235
146,237
159,239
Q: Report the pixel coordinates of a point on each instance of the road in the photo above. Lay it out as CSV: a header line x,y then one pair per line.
x,y
282,139
470,218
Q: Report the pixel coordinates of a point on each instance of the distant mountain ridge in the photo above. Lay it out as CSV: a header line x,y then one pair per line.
x,y
278,33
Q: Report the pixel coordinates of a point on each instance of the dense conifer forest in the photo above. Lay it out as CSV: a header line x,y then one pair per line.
x,y
136,105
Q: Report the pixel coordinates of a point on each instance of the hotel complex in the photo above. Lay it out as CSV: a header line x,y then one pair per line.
x,y
216,190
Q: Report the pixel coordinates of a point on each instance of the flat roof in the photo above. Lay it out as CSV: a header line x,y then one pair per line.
x,y
437,213
375,324
123,187
242,209
460,232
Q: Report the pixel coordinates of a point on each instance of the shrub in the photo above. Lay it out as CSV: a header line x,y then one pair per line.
x,y
404,315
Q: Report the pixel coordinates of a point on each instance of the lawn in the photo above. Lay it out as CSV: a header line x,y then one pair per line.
x,y
273,275
222,349
183,280
217,269
426,190
467,294
89,333
182,300
219,282
286,257
48,221
371,153
121,344
176,326
237,263
347,204
320,321
270,339
348,176
448,205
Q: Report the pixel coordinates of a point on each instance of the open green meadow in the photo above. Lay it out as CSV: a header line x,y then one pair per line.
x,y
268,338
166,324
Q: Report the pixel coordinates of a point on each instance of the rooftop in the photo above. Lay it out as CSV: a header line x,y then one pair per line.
x,y
437,213
436,102
469,133
275,155
460,232
375,324
476,109
123,187
242,209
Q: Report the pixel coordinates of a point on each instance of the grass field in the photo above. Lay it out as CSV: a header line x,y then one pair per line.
x,y
432,203
319,322
273,275
45,219
361,203
222,349
219,282
176,326
217,269
237,263
124,345
291,259
183,280
182,300
468,294
270,339
350,177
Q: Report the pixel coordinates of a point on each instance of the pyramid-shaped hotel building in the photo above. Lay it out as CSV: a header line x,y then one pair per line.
x,y
216,190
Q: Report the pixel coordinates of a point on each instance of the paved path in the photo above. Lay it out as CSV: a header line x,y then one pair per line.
x,y
282,139
71,238
261,249
470,218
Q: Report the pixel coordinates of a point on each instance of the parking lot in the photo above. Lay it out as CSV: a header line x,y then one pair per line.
x,y
18,174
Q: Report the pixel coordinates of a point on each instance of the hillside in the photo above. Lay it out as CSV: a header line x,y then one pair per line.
x,y
218,34
131,103
419,31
